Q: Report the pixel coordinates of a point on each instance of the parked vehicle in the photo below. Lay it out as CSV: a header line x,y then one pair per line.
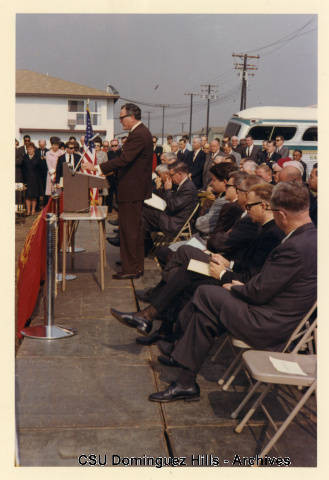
x,y
297,125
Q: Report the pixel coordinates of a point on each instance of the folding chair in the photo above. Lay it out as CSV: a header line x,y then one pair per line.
x,y
263,371
239,347
185,233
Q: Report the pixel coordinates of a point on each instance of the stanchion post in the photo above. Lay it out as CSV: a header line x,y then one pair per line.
x,y
49,331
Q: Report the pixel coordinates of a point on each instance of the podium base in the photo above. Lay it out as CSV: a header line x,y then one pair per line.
x,y
47,332
68,276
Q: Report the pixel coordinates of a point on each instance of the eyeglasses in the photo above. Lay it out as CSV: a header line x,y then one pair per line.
x,y
228,185
124,116
70,148
114,146
250,205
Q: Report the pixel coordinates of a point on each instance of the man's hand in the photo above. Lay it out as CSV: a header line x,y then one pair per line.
x,y
168,183
228,286
88,166
216,269
220,259
158,182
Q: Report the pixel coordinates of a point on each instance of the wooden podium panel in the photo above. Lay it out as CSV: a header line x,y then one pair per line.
x,y
76,189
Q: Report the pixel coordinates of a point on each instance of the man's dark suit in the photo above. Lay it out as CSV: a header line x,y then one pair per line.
x,y
269,159
112,180
178,279
134,186
43,167
196,167
263,312
183,156
18,165
59,166
253,155
180,205
158,152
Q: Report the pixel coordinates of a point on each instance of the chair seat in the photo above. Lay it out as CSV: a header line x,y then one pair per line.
x,y
261,368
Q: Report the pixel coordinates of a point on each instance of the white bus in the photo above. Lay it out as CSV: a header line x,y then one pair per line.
x,y
297,125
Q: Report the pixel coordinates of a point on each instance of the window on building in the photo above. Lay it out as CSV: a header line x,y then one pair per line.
x,y
77,111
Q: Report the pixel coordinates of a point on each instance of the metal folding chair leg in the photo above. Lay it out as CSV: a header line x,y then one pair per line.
x,y
234,374
227,372
288,420
249,414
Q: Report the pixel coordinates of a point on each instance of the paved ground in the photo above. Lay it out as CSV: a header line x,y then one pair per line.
x,y
88,394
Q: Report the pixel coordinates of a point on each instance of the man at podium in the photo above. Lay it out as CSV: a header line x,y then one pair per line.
x,y
134,166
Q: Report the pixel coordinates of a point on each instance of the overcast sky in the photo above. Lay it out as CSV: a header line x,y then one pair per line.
x,y
135,53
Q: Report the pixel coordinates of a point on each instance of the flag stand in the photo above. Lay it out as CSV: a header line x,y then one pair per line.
x,y
49,331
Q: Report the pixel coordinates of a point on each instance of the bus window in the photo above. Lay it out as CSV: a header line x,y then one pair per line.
x,y
286,132
261,132
232,129
311,134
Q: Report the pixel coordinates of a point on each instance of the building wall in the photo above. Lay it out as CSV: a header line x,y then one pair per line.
x,y
52,113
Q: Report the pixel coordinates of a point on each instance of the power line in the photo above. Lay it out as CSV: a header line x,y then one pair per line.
x,y
282,39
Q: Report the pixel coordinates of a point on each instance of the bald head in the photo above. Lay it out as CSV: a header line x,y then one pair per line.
x,y
290,174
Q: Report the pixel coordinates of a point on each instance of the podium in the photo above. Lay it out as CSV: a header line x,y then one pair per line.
x,y
76,189
76,209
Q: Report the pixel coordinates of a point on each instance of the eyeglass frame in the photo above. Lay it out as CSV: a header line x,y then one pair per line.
x,y
250,205
124,116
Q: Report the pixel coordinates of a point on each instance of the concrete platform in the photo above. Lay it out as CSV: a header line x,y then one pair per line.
x,y
88,394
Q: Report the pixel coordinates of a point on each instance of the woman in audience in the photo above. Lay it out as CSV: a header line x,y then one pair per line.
x,y
51,159
31,177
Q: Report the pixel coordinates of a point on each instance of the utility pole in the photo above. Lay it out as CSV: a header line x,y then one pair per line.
x,y
244,68
148,119
208,92
163,117
191,107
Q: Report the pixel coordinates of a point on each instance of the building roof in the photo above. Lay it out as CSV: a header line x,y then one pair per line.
x,y
36,84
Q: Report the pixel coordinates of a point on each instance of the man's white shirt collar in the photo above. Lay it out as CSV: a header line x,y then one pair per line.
x,y
181,183
135,126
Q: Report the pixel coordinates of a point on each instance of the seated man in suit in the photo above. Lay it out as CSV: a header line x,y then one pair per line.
x,y
180,204
196,161
246,236
264,311
69,157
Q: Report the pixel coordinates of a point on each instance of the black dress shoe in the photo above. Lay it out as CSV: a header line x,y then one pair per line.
x,y
119,263
150,339
116,230
175,391
132,319
114,222
114,241
168,360
126,276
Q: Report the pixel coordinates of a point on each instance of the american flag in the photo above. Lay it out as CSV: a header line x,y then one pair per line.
x,y
90,156
89,149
